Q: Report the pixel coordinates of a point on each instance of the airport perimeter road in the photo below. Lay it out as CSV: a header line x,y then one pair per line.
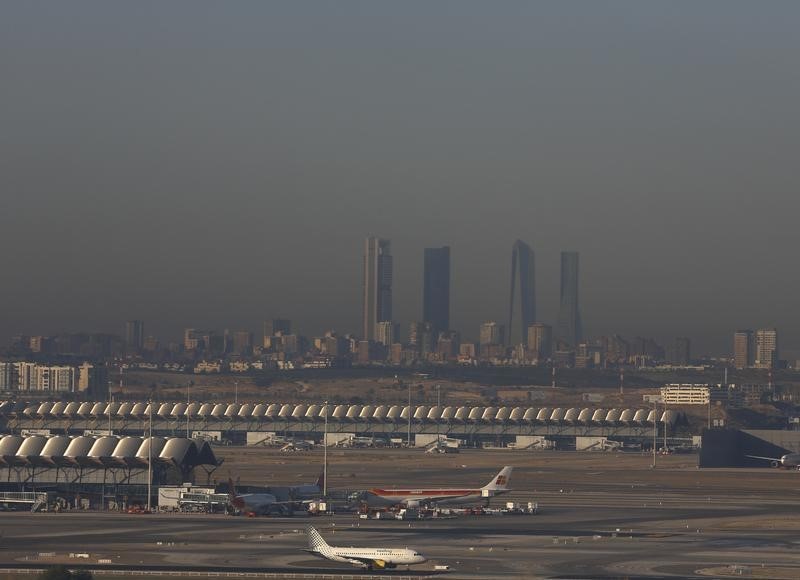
x,y
602,515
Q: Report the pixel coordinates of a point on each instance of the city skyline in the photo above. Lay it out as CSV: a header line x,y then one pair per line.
x,y
224,171
376,292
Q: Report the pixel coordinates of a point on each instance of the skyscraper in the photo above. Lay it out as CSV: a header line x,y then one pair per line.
x,y
766,348
377,285
522,260
743,349
569,317
436,289
134,335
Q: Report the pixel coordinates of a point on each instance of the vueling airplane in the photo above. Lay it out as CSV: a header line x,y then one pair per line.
x,y
416,497
368,558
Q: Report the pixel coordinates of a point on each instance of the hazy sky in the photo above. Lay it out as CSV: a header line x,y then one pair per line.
x,y
213,164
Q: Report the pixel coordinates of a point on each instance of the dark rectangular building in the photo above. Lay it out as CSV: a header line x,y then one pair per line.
x,y
436,290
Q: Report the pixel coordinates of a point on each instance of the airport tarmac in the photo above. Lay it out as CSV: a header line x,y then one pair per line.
x,y
601,515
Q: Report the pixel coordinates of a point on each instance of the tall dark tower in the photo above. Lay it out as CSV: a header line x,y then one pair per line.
x,y
436,289
377,285
134,335
522,260
569,317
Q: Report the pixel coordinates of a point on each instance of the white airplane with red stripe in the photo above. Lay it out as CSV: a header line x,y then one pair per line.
x,y
416,497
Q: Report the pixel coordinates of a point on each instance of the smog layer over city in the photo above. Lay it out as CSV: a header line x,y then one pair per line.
x,y
409,289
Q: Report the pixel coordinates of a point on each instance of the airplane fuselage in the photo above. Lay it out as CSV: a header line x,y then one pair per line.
x,y
255,503
362,557
382,557
390,497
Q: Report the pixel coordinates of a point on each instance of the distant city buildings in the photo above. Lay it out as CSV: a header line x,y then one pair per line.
x,y
277,326
377,285
492,340
134,336
743,349
386,333
421,337
24,376
524,341
766,348
757,349
569,331
681,354
242,342
492,333
436,288
522,262
540,341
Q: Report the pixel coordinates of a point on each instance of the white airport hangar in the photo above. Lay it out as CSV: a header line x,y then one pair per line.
x,y
106,467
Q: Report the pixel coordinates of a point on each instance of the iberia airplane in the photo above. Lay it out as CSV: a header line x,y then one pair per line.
x,y
423,496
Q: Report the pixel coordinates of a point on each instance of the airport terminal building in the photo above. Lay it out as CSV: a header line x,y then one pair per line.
x,y
418,425
107,471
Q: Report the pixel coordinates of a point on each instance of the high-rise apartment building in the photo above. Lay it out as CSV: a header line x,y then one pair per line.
x,y
25,375
569,328
54,378
242,342
492,333
436,288
8,376
93,380
766,348
134,335
377,288
386,333
421,337
151,344
681,353
743,349
522,261
540,341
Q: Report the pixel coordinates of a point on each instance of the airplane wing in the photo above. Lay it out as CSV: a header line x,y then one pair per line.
x,y
765,458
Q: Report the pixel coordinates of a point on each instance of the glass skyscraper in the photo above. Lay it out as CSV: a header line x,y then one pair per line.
x,y
522,261
569,328
436,289
377,290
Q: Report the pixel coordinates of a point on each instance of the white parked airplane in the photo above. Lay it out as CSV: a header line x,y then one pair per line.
x,y
789,461
415,497
368,558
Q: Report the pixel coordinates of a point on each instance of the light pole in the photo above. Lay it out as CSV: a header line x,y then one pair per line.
x,y
236,391
188,386
655,431
325,455
408,438
438,410
110,400
150,454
